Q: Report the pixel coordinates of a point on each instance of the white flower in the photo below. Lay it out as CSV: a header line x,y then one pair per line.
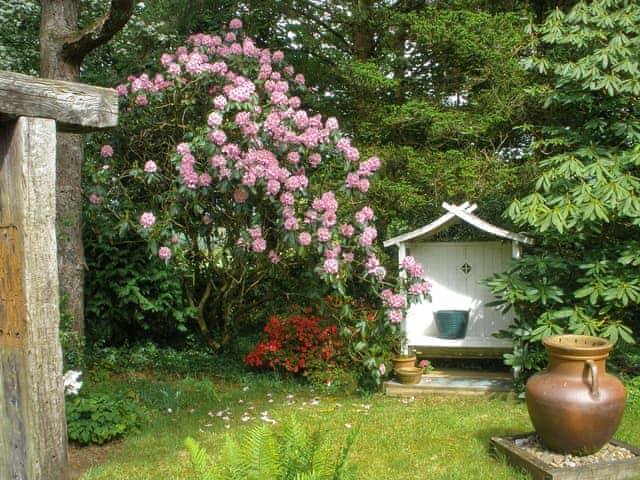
x,y
71,382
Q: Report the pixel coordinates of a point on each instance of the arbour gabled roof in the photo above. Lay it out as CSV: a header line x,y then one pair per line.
x,y
454,214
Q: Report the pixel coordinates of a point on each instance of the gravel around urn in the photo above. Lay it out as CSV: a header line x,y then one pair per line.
x,y
609,453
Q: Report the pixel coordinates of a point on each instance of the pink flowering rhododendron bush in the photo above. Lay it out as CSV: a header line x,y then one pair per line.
x,y
219,165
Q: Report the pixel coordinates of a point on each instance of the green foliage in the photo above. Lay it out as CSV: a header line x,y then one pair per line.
x,y
100,418
633,391
583,276
447,132
129,297
72,344
192,360
19,24
171,397
267,453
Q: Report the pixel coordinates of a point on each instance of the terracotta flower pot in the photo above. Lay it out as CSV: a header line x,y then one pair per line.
x,y
408,375
574,405
402,361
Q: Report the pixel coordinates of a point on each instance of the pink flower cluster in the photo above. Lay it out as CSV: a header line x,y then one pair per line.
x,y
106,151
147,219
257,243
95,199
368,236
365,215
150,167
396,303
164,253
414,268
373,267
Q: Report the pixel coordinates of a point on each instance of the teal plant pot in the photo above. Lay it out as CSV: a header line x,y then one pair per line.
x,y
452,323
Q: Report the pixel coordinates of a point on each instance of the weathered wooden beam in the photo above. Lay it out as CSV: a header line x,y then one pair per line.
x,y
74,106
32,415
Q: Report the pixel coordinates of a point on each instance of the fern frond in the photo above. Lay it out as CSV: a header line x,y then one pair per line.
x,y
199,460
290,454
293,439
343,469
260,454
319,459
308,476
233,466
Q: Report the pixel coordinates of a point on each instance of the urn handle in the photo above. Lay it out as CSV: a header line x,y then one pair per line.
x,y
594,377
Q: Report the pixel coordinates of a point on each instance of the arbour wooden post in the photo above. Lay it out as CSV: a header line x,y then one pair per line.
x,y
33,438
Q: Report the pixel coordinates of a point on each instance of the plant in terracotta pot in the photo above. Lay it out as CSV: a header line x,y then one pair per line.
x,y
402,357
408,375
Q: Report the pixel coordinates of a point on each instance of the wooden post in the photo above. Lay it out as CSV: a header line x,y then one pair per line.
x,y
33,438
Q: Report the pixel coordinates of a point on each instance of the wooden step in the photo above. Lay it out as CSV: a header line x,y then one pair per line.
x,y
454,382
460,373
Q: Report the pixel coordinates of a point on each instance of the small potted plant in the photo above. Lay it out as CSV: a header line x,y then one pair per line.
x,y
408,375
412,374
402,357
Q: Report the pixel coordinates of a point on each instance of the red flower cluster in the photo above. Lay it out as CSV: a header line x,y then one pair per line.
x,y
297,344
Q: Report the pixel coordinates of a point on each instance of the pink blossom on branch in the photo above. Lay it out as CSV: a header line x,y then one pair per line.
x,y
150,167
304,238
331,266
95,199
368,236
164,253
147,219
273,257
106,151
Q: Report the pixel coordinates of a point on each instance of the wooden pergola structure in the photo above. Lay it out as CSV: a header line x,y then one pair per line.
x,y
33,437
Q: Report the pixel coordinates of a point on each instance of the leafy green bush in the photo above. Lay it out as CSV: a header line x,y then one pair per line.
x,y
192,361
130,297
584,210
100,418
267,453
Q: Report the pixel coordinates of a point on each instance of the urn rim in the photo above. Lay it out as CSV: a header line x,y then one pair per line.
x,y
577,345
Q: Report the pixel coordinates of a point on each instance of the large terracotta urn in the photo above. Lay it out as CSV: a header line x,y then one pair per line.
x,y
574,405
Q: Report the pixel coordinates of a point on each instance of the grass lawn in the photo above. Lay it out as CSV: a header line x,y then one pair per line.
x,y
424,438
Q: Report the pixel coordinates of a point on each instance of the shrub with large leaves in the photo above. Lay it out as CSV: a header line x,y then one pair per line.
x,y
584,276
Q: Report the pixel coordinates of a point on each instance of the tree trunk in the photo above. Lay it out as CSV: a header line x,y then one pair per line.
x,y
63,47
363,33
59,19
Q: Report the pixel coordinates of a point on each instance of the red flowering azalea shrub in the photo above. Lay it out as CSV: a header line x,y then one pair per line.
x,y
298,344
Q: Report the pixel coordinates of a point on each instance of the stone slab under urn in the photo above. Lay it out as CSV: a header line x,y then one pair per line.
x,y
615,461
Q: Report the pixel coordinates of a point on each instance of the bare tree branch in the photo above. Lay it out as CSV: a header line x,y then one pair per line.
x,y
79,44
